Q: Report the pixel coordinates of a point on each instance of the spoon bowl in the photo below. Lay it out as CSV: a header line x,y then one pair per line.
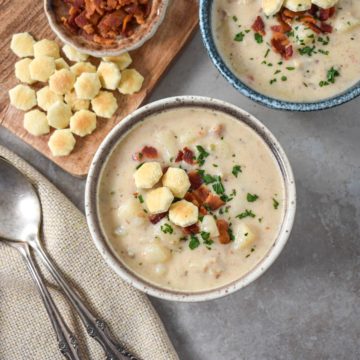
x,y
20,210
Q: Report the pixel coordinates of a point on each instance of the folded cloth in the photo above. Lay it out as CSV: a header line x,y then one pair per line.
x,y
25,329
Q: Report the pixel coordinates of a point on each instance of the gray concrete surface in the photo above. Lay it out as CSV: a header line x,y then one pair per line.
x,y
307,305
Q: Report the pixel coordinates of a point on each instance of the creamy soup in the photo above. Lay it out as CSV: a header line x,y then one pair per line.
x,y
191,199
290,55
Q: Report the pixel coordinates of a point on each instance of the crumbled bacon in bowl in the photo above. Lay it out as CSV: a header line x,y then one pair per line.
x,y
104,20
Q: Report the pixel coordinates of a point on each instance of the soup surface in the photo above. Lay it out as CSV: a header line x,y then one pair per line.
x,y
299,56
209,224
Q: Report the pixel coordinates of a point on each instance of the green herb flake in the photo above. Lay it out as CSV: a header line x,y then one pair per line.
x,y
251,197
290,68
275,203
141,199
258,38
283,78
239,36
332,74
246,213
267,53
236,170
194,242
235,18
203,154
167,229
206,238
139,166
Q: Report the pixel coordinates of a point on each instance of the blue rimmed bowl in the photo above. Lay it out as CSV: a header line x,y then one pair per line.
x,y
206,8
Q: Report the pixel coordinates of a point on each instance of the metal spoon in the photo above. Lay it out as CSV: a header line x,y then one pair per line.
x,y
20,219
67,342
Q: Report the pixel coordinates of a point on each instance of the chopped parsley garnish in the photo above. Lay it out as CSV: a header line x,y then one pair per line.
x,y
236,170
258,38
218,186
139,166
194,242
277,72
332,74
283,78
207,178
239,36
272,81
267,53
246,213
251,197
167,229
235,18
307,50
141,199
324,52
290,68
231,234
203,154
275,203
206,237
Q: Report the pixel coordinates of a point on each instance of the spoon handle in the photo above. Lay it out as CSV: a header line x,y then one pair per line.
x,y
67,342
95,327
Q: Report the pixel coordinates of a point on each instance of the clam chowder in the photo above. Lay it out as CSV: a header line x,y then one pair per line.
x,y
294,50
191,199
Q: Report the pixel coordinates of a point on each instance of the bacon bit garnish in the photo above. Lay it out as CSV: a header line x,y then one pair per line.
x,y
179,156
192,198
195,180
280,44
314,9
259,26
201,193
191,230
314,28
223,228
326,28
213,202
203,210
326,14
155,218
149,152
293,14
113,18
188,156
307,19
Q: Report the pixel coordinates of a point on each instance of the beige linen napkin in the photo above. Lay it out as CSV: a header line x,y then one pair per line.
x,y
25,329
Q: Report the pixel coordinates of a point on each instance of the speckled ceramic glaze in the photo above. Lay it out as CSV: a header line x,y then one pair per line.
x,y
56,9
206,7
110,142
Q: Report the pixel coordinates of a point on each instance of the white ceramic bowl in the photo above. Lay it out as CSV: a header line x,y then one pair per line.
x,y
105,149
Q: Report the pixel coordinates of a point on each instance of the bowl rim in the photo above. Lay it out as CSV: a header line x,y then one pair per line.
x,y
205,10
106,52
104,152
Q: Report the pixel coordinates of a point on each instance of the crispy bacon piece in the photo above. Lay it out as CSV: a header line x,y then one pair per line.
x,y
293,14
192,198
223,228
326,28
192,229
259,26
284,26
188,156
314,9
195,179
307,19
281,45
179,156
326,14
202,211
314,28
154,219
149,152
213,202
201,194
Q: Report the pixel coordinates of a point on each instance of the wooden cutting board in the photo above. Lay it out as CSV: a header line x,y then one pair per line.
x,y
151,60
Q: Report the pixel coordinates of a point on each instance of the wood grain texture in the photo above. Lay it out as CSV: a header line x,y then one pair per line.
x,y
151,60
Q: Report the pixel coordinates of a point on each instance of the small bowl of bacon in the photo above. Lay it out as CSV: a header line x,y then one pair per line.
x,y
105,27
